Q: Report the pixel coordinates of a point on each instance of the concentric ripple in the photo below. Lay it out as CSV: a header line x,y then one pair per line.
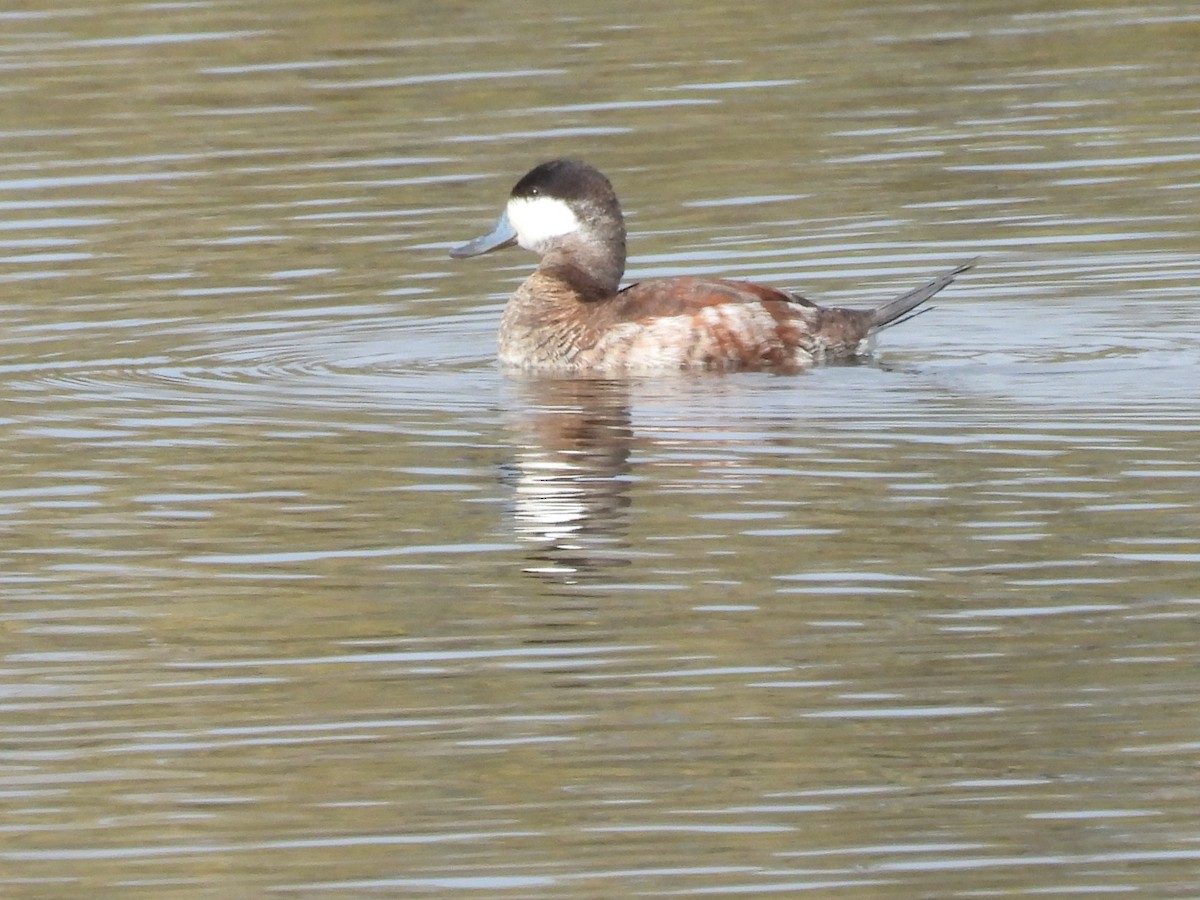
x,y
346,359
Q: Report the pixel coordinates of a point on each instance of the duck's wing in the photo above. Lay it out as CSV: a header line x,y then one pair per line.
x,y
668,297
699,323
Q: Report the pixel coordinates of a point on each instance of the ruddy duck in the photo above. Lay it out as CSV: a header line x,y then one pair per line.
x,y
572,316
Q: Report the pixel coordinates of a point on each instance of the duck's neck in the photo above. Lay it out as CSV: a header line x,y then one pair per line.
x,y
591,269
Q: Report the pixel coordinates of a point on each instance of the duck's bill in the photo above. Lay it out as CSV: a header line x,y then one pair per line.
x,y
503,235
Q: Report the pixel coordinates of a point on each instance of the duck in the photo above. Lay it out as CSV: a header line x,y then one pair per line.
x,y
572,317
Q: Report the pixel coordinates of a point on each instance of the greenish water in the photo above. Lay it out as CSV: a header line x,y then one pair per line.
x,y
300,596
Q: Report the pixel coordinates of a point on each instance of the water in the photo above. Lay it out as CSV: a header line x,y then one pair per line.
x,y
302,597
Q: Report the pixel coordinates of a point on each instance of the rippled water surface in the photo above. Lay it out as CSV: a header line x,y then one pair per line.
x,y
301,596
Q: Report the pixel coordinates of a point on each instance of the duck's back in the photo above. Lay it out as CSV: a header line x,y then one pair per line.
x,y
681,324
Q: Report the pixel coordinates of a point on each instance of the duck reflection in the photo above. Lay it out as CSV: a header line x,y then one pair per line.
x,y
573,440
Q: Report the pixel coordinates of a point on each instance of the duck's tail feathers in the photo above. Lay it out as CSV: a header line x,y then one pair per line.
x,y
894,312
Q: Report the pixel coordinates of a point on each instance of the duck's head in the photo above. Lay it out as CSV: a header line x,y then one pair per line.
x,y
564,209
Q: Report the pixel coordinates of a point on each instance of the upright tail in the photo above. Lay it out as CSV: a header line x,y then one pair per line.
x,y
894,311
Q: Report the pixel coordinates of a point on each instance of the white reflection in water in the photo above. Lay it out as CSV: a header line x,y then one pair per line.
x,y
570,491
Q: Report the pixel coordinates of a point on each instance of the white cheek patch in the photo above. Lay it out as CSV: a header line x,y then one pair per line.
x,y
540,219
